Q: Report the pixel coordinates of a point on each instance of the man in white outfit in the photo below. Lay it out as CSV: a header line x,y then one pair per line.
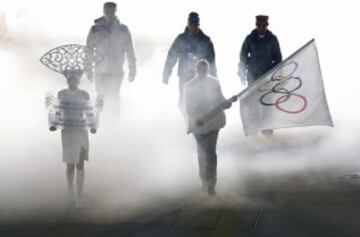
x,y
201,95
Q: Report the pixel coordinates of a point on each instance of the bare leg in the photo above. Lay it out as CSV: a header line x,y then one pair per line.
x,y
80,177
70,173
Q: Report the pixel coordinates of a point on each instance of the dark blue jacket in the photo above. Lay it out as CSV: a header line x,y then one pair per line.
x,y
188,49
258,55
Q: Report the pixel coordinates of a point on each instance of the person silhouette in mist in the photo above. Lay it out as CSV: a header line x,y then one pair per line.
x,y
259,53
188,48
113,41
74,140
201,95
72,111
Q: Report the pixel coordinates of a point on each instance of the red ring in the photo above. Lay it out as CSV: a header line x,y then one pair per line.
x,y
277,104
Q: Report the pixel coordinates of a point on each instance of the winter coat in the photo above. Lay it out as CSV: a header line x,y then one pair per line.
x,y
189,49
113,41
258,55
200,97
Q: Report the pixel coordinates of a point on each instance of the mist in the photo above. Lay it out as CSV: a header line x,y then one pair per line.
x,y
144,160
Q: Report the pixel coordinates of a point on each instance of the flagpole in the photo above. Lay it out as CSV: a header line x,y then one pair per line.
x,y
224,105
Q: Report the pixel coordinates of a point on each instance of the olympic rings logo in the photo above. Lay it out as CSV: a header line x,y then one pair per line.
x,y
284,83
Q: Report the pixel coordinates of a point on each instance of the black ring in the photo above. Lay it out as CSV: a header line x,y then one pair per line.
x,y
273,75
261,100
274,89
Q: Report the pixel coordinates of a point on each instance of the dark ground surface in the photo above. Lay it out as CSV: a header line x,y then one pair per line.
x,y
297,206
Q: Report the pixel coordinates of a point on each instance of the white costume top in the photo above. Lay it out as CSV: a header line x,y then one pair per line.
x,y
200,97
75,141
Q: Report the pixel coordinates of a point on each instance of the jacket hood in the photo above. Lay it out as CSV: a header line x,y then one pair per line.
x,y
102,21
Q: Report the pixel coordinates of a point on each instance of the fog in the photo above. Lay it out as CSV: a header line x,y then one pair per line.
x,y
145,160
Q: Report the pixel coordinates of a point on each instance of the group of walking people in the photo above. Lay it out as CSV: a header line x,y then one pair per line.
x,y
199,89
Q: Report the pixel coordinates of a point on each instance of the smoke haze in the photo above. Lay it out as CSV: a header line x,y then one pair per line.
x,y
145,160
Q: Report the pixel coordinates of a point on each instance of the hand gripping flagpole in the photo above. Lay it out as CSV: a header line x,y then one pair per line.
x,y
207,117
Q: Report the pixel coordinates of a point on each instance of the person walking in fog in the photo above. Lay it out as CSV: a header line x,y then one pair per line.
x,y
74,140
201,95
113,41
259,53
72,112
187,49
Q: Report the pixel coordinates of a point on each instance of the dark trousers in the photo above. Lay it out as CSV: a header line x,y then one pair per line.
x,y
108,86
206,149
252,76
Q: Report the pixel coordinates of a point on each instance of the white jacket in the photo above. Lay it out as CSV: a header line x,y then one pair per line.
x,y
200,97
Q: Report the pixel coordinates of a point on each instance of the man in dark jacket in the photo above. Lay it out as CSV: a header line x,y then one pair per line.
x,y
189,47
112,40
259,52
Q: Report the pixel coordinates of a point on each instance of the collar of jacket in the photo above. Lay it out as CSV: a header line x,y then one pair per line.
x,y
256,35
102,21
200,34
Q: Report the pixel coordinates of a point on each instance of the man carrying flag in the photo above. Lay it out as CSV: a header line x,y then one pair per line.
x,y
291,94
201,95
